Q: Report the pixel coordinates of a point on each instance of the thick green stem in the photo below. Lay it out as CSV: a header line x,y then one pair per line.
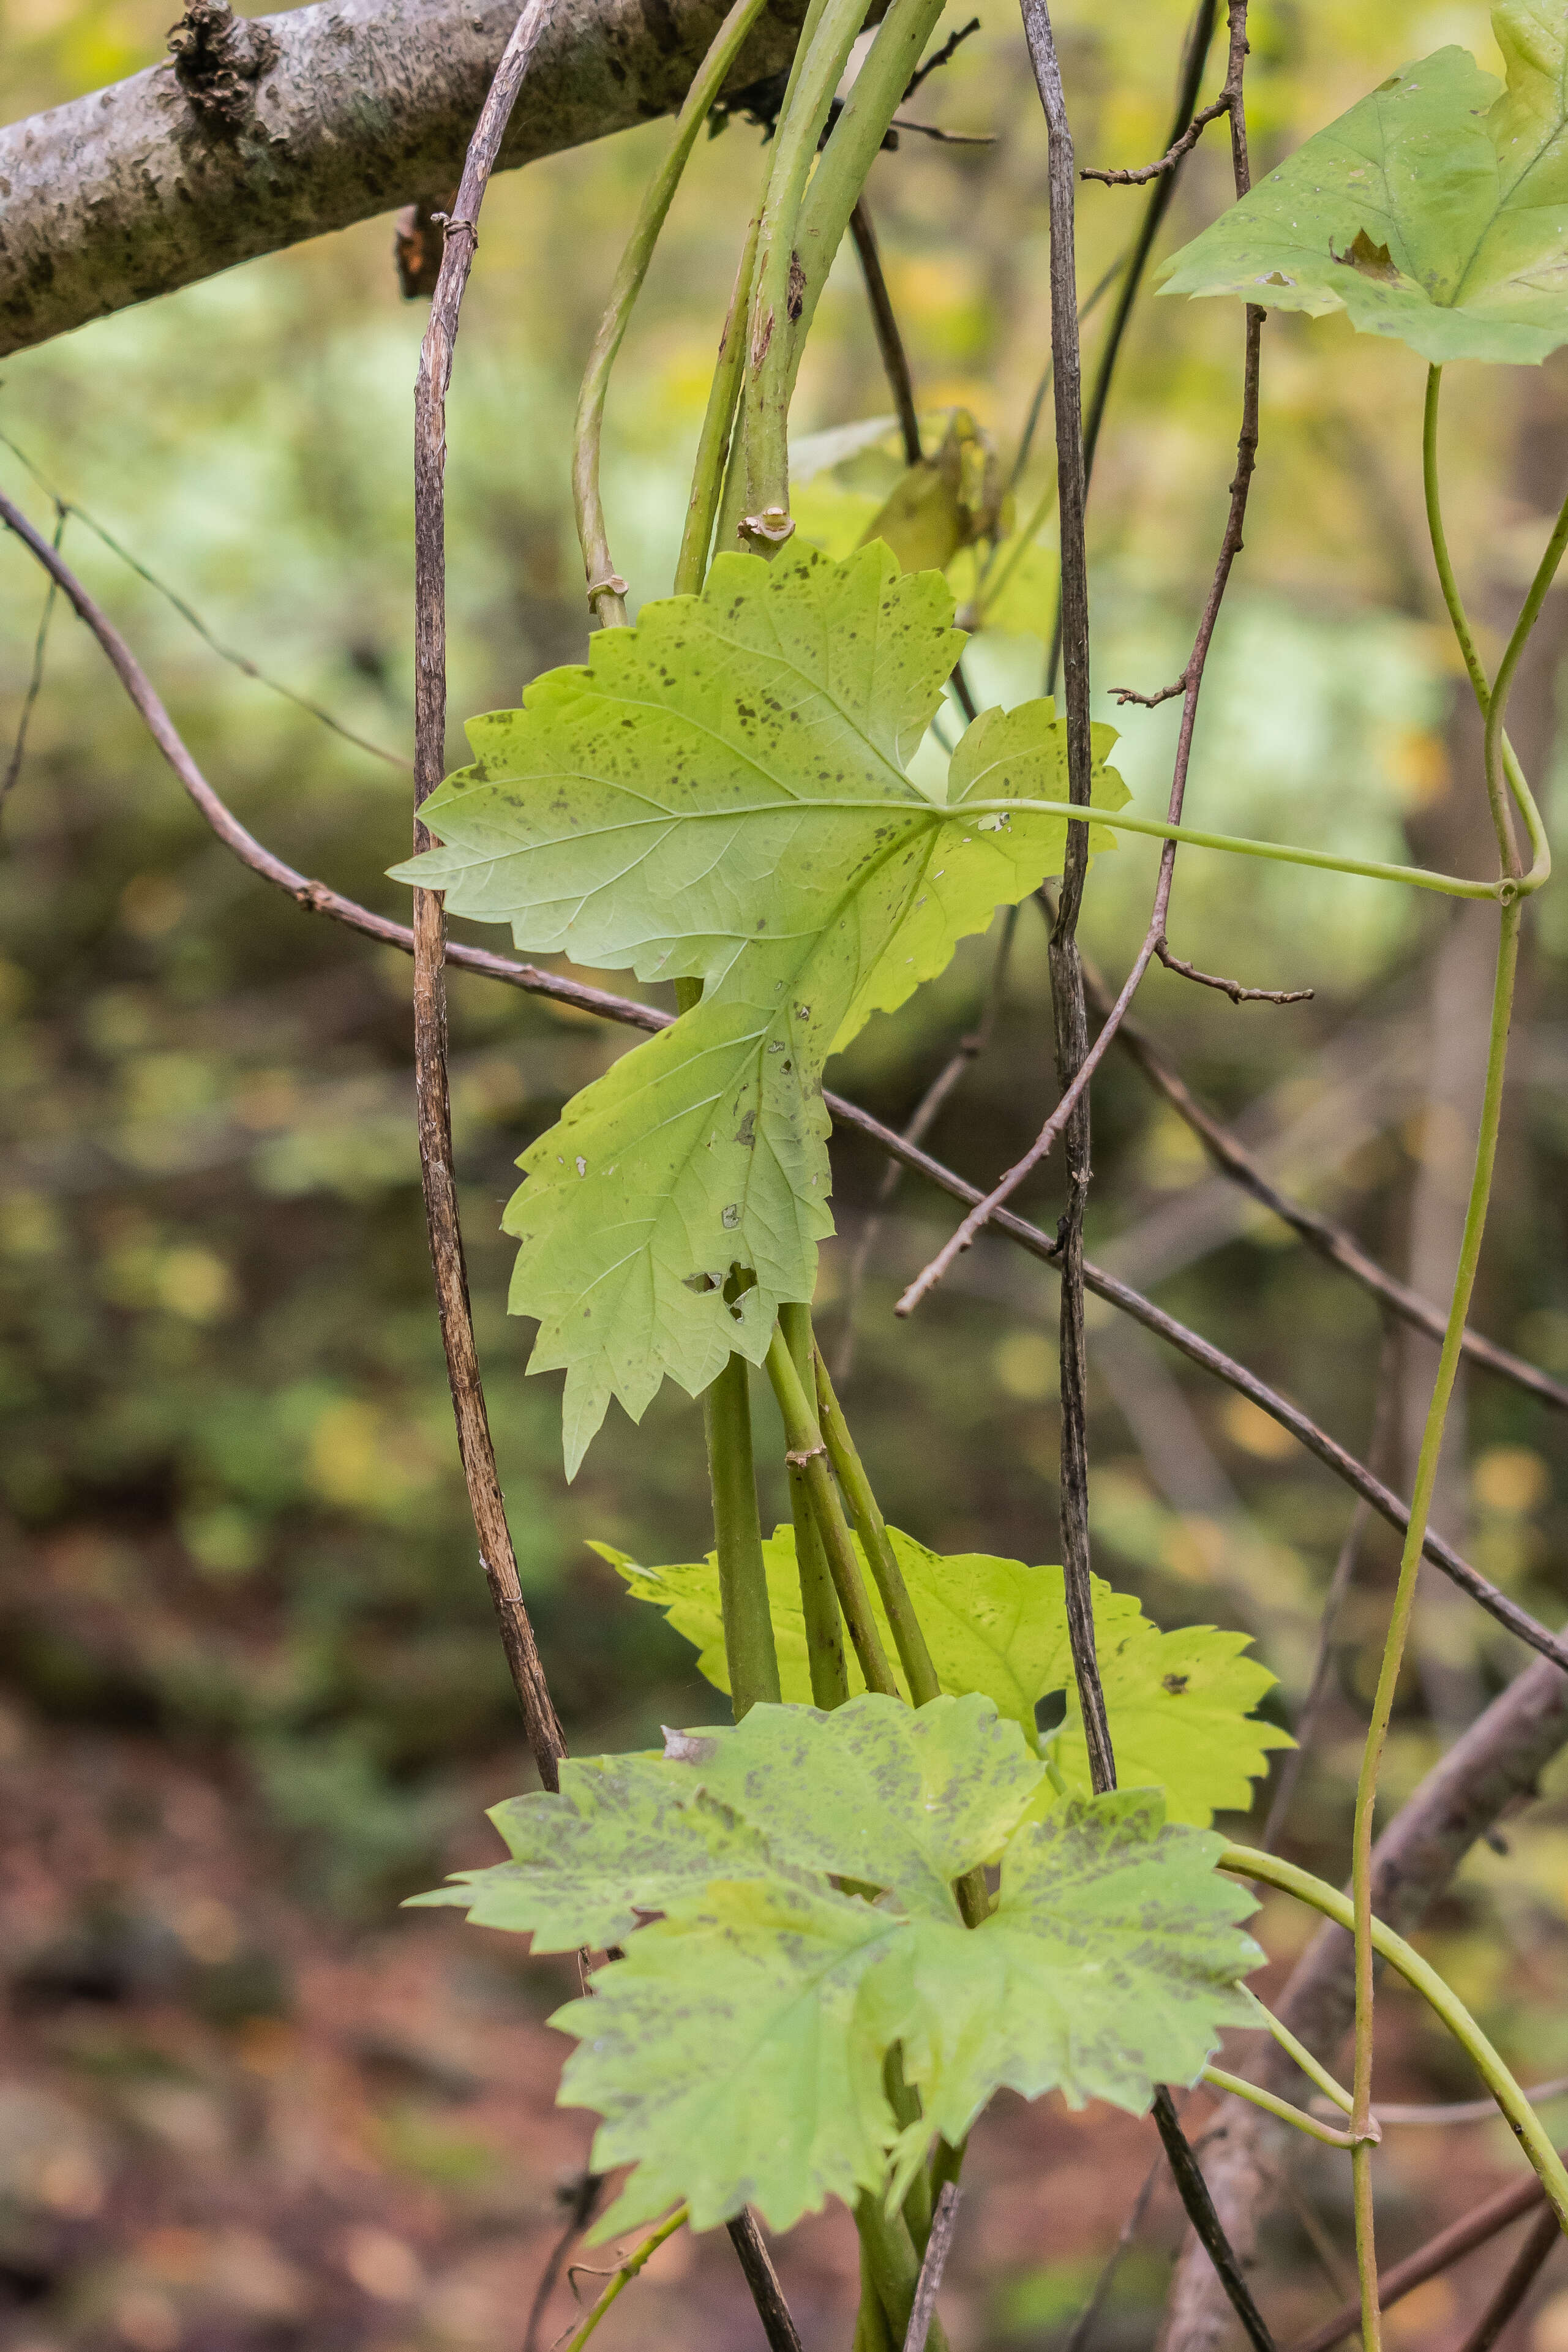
x,y
777,294
810,1454
910,1642
718,425
738,1534
606,590
906,2104
894,2266
1269,1869
818,1601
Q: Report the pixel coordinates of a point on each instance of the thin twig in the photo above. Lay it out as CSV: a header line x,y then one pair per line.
x,y
1331,1240
437,1173
1383,1413
944,2222
315,897
1516,2282
1207,2224
1070,1019
1467,2111
1438,2255
236,660
1231,988
35,679
1075,1081
581,2198
938,59
1173,154
943,138
889,341
763,2280
922,1120
1132,2223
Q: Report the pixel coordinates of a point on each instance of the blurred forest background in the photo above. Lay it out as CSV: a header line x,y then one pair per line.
x,y
250,1689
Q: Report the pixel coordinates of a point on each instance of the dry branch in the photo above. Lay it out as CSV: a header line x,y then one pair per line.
x,y
355,107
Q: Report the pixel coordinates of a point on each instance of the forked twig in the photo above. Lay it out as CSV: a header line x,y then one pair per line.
x,y
1439,2253
315,897
1515,2284
35,676
1174,152
1231,988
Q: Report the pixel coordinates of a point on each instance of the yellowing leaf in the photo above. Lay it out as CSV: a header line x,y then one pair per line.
x,y
1436,210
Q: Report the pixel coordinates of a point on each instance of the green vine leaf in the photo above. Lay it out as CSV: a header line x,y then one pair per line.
x,y
735,2051
1180,1711
901,1800
1109,1965
1180,1703
1435,210
624,1839
721,794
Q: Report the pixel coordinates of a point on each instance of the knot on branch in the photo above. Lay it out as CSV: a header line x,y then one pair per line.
x,y
219,58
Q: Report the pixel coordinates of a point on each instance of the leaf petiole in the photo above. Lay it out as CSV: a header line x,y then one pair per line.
x,y
623,2278
809,1453
1218,2080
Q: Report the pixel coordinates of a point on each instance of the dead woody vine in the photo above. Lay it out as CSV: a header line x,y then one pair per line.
x,y
834,1637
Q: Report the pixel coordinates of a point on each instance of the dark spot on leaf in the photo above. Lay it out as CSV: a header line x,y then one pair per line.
x,y
1370,260
1175,1683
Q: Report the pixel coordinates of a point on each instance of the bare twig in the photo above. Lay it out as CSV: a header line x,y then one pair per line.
x,y
1075,1081
317,898
944,2222
943,138
1151,701
1070,1018
889,341
1383,1417
939,58
1516,2282
1231,988
1132,2223
1439,2253
1173,153
438,1175
763,2281
922,1118
1467,2111
242,662
580,2197
35,678
1207,2224
1329,1239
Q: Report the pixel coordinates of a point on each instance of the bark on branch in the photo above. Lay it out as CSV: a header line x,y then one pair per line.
x,y
260,131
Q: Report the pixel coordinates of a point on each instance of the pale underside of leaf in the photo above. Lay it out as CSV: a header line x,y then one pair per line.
x,y
1436,210
721,793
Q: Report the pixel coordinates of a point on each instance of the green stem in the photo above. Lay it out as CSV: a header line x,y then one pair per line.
x,y
906,2104
1269,1869
1540,848
804,1440
818,1601
718,425
847,159
872,2333
608,598
1241,2089
912,1654
1310,2066
737,1535
623,2278
1367,2246
776,292
894,2266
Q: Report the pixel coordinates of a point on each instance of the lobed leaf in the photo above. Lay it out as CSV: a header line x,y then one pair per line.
x,y
1179,1704
721,793
1436,210
624,1839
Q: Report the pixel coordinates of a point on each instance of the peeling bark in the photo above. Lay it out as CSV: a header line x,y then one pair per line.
x,y
264,131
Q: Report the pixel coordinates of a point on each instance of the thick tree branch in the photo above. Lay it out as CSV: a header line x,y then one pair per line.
x,y
279,128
